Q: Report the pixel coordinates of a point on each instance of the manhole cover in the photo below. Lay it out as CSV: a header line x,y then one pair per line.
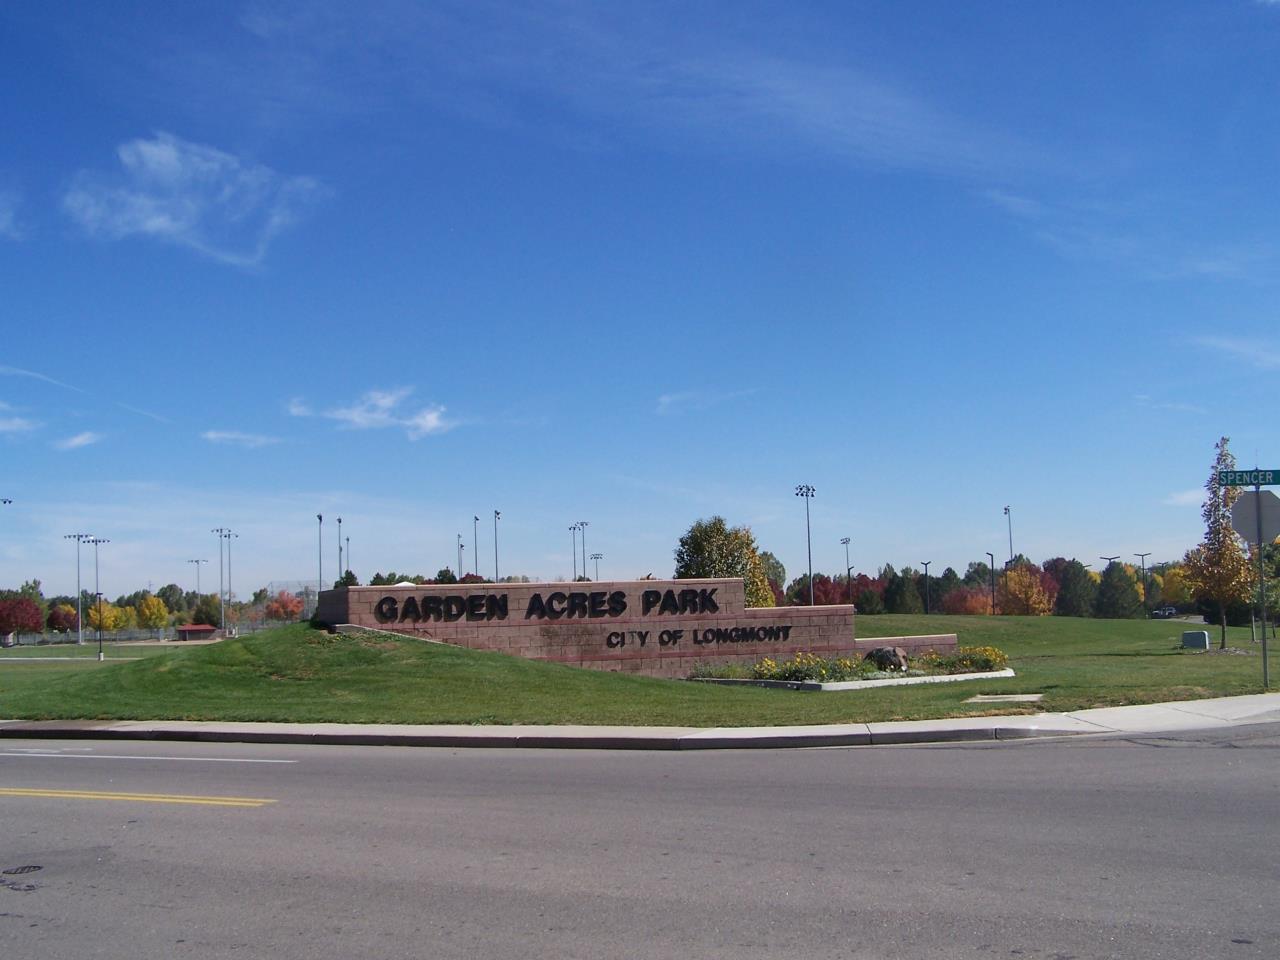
x,y
15,871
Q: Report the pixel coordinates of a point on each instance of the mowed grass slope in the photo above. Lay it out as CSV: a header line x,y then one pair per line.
x,y
296,674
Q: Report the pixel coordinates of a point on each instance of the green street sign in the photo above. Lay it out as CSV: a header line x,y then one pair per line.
x,y
1249,478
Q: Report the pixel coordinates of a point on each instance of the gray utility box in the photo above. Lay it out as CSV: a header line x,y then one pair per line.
x,y
1195,639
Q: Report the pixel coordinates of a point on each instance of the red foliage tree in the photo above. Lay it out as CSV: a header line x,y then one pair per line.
x,y
284,606
20,615
974,601
62,618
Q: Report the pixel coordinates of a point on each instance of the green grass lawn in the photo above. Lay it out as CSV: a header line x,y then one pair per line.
x,y
74,651
298,674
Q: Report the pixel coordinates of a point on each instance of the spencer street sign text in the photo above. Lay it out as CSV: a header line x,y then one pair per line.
x,y
1249,478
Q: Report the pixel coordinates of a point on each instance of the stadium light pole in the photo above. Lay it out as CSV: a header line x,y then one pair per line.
x,y
341,568
319,556
97,589
228,535
991,570
848,578
597,557
475,544
1143,558
926,584
1009,517
222,612
197,563
806,491
348,556
497,515
460,549
582,525
79,538
573,533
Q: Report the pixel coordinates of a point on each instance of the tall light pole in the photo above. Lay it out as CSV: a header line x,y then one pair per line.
x,y
341,568
926,583
848,576
460,548
806,491
497,515
475,544
197,563
582,525
1008,516
991,570
80,617
1143,558
227,536
97,590
348,556
79,538
597,557
222,611
573,533
319,555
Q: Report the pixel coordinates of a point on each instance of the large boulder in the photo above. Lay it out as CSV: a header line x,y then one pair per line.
x,y
888,658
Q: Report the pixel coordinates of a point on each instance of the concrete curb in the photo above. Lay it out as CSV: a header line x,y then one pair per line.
x,y
1133,720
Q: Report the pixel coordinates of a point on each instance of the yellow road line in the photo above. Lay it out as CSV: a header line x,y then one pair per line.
x,y
139,797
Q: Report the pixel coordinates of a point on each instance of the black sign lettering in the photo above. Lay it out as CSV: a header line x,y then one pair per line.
x,y
648,600
577,605
617,603
537,608
555,605
707,601
495,606
669,603
409,610
475,606
386,610
595,604
454,608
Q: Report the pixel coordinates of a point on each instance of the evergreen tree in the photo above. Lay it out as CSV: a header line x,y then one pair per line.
x,y
900,593
1118,597
1077,593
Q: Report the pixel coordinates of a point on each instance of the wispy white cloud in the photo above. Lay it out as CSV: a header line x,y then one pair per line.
x,y
192,195
250,440
1184,498
1255,352
17,424
379,409
18,372
298,408
84,439
9,201
1173,406
143,413
670,403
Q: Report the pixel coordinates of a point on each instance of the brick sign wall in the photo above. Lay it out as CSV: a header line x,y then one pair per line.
x,y
654,627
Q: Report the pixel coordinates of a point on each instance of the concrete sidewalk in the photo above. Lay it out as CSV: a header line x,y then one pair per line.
x,y
1148,719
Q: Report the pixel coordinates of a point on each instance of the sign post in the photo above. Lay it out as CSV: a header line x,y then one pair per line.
x,y
1265,517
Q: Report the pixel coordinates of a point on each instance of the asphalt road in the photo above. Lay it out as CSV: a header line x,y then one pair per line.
x,y
1158,847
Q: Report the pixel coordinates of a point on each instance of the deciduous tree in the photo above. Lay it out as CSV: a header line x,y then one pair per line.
x,y
1021,593
20,615
152,613
1217,569
711,548
284,606
62,618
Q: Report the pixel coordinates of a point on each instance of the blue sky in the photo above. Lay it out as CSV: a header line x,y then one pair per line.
x,y
630,264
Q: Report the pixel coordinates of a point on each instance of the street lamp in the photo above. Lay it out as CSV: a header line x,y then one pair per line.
x,y
460,549
1008,516
926,584
222,610
582,525
341,568
96,589
197,563
497,515
79,538
991,569
597,557
1110,560
1143,558
848,576
475,544
573,533
348,556
806,491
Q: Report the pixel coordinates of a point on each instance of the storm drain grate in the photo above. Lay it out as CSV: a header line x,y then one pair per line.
x,y
16,871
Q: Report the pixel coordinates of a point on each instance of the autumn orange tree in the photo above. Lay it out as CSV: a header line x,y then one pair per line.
x,y
1022,593
1218,570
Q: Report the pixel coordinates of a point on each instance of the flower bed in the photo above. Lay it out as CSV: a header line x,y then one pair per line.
x,y
811,668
